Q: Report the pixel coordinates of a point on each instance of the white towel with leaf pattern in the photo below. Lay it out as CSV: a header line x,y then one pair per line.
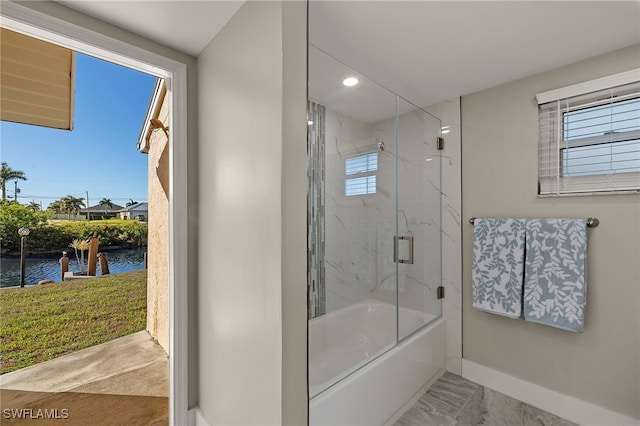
x,y
555,288
498,265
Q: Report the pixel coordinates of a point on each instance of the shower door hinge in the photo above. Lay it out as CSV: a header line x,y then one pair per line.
x,y
440,292
440,144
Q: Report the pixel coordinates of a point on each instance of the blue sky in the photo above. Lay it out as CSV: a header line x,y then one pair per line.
x,y
99,155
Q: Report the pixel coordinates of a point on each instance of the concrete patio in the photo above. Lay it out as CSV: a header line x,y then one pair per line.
x,y
125,381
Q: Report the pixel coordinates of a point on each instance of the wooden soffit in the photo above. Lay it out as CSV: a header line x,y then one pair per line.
x,y
36,81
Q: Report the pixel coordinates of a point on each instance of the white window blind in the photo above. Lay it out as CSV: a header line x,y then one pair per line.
x,y
590,143
362,169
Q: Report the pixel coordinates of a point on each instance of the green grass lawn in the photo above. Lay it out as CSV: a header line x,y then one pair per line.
x,y
43,322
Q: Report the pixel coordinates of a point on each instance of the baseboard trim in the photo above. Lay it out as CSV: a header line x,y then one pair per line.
x,y
196,418
565,406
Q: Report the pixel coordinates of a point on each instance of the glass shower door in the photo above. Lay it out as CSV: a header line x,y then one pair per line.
x,y
374,220
419,218
352,221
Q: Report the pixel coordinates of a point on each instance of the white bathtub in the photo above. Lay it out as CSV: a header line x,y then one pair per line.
x,y
348,340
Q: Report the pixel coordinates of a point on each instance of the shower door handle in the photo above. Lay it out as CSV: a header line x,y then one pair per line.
x,y
410,259
395,249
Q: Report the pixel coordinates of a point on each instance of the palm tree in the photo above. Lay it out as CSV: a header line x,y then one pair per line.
x,y
106,202
56,207
7,174
131,202
33,206
71,204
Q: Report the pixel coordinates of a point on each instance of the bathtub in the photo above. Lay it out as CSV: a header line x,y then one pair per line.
x,y
378,389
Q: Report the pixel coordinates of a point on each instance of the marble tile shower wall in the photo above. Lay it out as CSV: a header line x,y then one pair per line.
x,y
360,228
349,240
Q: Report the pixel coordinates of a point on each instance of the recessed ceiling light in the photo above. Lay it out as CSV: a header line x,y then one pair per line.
x,y
309,122
444,132
350,81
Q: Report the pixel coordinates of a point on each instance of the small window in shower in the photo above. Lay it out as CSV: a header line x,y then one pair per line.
x,y
362,168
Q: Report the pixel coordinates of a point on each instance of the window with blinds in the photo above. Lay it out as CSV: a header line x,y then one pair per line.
x,y
589,137
362,169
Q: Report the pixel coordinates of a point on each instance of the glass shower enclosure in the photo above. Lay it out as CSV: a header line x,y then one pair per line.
x,y
374,220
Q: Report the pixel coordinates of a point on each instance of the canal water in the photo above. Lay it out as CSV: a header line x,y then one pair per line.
x,y
46,267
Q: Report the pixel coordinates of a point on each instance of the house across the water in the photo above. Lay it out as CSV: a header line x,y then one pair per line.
x,y
139,211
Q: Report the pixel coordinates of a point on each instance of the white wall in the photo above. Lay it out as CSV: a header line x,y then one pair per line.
x,y
295,399
241,288
499,179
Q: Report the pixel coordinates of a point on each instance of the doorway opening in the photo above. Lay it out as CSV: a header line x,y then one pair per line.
x,y
26,21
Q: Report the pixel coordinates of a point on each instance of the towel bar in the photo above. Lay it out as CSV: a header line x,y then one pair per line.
x,y
592,222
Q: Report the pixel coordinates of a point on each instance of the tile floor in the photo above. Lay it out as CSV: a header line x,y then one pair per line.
x,y
453,400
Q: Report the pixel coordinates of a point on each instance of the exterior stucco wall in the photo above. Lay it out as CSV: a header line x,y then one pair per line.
x,y
158,236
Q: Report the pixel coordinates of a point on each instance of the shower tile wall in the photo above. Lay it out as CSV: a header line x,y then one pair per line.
x,y
359,229
348,221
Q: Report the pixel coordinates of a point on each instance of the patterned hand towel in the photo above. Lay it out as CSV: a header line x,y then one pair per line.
x,y
555,289
498,265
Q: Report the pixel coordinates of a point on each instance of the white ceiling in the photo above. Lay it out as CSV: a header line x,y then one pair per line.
x,y
367,102
430,51
187,26
426,51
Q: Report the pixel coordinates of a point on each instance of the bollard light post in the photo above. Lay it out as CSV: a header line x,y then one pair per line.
x,y
23,232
